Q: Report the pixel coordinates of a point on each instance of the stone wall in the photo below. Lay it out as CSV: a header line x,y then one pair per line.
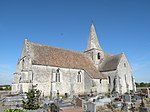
x,y
23,72
101,85
125,75
87,83
110,80
121,80
44,78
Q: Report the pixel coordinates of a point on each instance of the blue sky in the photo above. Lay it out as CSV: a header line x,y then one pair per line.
x,y
121,25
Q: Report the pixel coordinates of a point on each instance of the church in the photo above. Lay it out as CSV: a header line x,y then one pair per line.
x,y
55,70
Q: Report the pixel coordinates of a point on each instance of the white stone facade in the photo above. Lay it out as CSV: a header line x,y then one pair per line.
x,y
103,73
115,67
44,77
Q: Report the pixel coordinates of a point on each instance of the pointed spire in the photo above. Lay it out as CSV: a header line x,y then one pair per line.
x,y
93,40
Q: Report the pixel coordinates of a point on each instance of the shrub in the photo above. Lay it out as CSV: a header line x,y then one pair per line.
x,y
13,110
32,101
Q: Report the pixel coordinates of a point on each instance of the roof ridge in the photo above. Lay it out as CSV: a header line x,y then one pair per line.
x,y
114,54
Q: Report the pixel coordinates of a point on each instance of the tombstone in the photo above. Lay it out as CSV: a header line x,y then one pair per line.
x,y
86,98
46,106
124,107
144,109
79,102
118,105
90,107
116,94
137,97
54,107
127,98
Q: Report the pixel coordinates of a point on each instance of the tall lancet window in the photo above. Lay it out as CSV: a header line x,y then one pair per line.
x,y
98,56
79,76
109,79
23,64
58,75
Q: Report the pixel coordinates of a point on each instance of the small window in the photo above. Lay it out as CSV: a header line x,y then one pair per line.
x,y
125,77
98,56
79,76
19,79
23,64
109,79
58,75
100,81
57,70
124,64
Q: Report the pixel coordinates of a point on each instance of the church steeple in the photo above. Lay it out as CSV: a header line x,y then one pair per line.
x,y
94,49
93,40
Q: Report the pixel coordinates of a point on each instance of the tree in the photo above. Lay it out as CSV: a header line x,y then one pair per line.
x,y
32,101
142,84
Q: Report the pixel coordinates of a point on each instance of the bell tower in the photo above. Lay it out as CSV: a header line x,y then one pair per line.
x,y
94,49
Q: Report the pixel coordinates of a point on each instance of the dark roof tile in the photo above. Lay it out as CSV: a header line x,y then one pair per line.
x,y
110,62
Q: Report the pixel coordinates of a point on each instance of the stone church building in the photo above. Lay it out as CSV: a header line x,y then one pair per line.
x,y
54,70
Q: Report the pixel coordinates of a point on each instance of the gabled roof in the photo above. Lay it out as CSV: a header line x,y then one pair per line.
x,y
50,56
110,62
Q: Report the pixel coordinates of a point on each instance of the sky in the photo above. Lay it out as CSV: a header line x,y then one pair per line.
x,y
121,26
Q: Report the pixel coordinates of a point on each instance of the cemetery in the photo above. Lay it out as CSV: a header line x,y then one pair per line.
x,y
129,102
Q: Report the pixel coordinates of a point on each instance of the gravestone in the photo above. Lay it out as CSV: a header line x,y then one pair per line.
x,y
127,98
90,107
124,107
116,94
117,104
79,102
13,100
144,109
137,97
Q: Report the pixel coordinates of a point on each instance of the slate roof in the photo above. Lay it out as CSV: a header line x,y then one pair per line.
x,y
50,56
110,62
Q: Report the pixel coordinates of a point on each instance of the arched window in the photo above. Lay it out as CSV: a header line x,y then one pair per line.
x,y
19,79
125,65
125,77
114,82
98,56
58,75
23,65
109,79
100,81
79,76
